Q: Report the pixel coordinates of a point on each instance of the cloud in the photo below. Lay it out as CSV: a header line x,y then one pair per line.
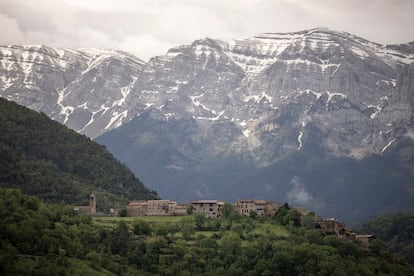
x,y
298,194
381,21
300,197
144,46
150,27
10,31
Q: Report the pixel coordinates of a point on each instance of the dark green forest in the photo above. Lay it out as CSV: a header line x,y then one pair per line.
x,y
39,238
397,231
44,158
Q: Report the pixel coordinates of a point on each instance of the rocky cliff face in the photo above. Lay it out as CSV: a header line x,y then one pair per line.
x,y
352,91
84,89
291,117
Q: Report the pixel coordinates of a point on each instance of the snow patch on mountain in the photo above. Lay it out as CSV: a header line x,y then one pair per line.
x,y
258,98
64,110
359,52
125,92
388,145
331,95
116,119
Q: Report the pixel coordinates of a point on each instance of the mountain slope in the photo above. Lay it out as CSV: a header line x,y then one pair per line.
x,y
85,88
255,84
43,158
396,231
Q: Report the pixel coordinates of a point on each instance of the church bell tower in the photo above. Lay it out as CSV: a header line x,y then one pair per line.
x,y
92,203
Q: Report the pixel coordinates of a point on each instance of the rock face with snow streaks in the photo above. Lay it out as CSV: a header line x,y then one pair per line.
x,y
84,89
315,82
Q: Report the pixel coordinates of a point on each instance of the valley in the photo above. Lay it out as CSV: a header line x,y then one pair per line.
x,y
318,118
41,238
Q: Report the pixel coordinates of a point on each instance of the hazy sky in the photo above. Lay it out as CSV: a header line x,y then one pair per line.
x,y
150,27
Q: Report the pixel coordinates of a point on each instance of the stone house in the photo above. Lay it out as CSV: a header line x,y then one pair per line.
x,y
209,208
333,226
271,208
158,207
260,207
162,207
137,208
178,209
365,239
302,211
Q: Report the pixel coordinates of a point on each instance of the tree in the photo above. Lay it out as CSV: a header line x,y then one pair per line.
x,y
308,221
281,214
293,216
120,237
227,210
190,210
315,236
187,228
237,228
252,214
141,227
161,230
288,216
230,243
123,213
199,220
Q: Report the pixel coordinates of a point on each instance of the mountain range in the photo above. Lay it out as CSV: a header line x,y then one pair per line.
x,y
318,118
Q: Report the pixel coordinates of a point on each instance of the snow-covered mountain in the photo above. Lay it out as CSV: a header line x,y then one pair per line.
x,y
319,118
253,82
84,89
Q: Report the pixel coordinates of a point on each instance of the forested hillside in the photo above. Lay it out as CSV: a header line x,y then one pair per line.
x,y
42,239
397,231
44,158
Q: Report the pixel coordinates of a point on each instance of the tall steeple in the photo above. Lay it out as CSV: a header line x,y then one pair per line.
x,y
92,203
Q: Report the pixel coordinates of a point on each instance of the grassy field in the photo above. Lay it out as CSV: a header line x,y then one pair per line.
x,y
267,228
262,228
70,266
110,222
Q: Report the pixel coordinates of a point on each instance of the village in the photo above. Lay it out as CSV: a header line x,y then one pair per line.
x,y
214,209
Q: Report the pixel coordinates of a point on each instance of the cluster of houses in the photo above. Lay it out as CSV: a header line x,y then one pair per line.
x,y
333,226
209,208
214,209
260,208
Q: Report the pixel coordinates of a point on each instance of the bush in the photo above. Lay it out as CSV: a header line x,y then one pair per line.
x,y
141,227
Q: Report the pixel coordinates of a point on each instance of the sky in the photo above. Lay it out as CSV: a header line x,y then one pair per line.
x,y
147,28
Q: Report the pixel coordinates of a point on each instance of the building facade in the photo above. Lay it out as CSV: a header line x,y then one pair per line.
x,y
163,207
259,207
333,226
158,207
178,209
209,208
137,208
